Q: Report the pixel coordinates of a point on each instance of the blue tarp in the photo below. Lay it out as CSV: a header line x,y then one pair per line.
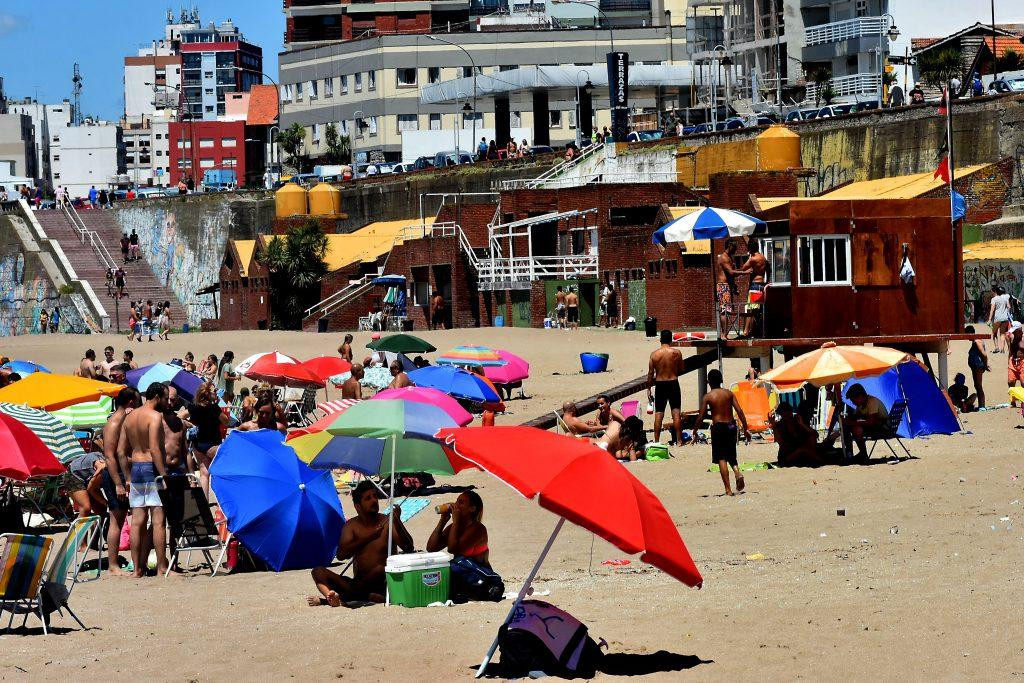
x,y
928,409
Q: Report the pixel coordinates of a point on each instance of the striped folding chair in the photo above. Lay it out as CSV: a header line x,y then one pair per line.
x,y
62,574
21,576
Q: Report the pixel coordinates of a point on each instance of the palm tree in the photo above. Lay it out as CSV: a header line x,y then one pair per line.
x,y
292,140
296,264
339,147
938,68
820,77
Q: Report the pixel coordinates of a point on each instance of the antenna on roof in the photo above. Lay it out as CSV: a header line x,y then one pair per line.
x,y
76,96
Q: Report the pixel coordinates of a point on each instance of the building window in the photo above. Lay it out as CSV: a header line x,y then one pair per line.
x,y
56,157
467,72
358,81
159,153
228,142
343,127
207,91
206,142
434,74
313,90
371,80
435,122
344,85
187,144
206,163
361,127
328,87
298,91
862,8
554,119
406,78
230,162
373,125
507,67
209,109
408,122
316,133
515,119
824,260
776,251
286,93
467,120
572,120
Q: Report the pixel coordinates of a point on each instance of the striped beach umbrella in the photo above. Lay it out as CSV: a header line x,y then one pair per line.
x,y
831,364
51,431
472,355
706,224
86,415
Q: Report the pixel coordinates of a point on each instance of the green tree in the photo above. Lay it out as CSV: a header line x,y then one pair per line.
x,y
1011,60
821,77
296,264
938,68
292,140
339,147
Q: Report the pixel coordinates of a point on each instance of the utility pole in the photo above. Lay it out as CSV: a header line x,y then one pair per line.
x,y
995,68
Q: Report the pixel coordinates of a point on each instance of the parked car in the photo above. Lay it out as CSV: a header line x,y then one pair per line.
x,y
540,149
833,110
689,130
423,163
402,168
702,128
442,159
144,192
643,135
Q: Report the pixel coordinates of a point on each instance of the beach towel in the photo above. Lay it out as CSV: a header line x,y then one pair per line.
x,y
749,467
410,507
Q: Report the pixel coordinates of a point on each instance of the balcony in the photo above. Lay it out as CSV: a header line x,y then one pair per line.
x,y
626,5
845,30
848,86
316,34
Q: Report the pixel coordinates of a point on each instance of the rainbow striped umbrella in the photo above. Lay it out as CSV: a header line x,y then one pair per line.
x,y
472,355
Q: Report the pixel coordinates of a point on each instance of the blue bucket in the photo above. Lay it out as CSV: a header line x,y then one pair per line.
x,y
499,321
185,327
594,362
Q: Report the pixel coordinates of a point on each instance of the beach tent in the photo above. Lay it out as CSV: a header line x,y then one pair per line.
x,y
928,409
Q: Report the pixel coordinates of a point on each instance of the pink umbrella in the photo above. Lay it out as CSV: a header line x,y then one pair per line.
x,y
432,396
515,369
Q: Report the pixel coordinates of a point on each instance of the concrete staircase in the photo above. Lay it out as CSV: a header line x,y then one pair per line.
x,y
142,283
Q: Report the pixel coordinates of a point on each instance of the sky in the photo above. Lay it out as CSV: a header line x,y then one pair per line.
x,y
38,47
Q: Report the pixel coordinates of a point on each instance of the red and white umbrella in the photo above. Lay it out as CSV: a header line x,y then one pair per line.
x,y
256,360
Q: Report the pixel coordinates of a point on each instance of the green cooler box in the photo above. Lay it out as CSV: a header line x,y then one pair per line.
x,y
418,579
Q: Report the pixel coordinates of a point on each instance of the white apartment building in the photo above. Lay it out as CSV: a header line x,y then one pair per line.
x,y
85,156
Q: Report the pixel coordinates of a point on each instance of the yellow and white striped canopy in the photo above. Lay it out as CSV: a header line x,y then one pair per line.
x,y
831,364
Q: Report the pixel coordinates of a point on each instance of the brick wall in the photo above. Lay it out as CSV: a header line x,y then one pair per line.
x,y
732,190
985,192
472,218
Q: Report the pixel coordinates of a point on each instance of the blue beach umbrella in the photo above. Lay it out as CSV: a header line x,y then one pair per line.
x,y
285,513
186,383
24,367
706,224
455,382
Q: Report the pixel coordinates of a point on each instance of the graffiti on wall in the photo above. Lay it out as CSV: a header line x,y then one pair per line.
x,y
979,276
184,246
25,291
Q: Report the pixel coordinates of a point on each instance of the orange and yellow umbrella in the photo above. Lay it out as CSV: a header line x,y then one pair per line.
x,y
831,364
52,392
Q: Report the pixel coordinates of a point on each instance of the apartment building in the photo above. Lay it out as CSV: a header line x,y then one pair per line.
x,y
91,154
17,146
36,111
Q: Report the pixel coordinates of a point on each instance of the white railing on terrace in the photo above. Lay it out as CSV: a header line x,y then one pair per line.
x,y
556,170
842,86
84,234
527,269
328,305
845,30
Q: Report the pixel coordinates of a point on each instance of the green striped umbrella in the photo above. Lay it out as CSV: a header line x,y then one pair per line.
x,y
54,433
86,415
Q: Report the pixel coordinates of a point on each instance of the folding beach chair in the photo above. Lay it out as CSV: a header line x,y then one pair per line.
x,y
199,532
753,399
44,495
21,575
65,565
630,409
81,539
891,433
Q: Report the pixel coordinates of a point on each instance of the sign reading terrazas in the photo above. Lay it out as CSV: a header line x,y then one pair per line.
x,y
618,93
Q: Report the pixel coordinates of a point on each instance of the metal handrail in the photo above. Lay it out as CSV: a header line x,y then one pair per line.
x,y
557,169
332,302
85,232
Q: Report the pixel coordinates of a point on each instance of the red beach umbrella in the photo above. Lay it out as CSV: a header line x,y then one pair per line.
x,y
284,374
23,454
581,483
327,366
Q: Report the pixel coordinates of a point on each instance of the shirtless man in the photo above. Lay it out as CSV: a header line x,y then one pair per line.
x,y
264,417
401,379
663,372
572,309
437,317
725,284
756,265
143,438
721,403
574,423
106,366
560,307
175,483
114,475
364,538
87,368
345,350
351,388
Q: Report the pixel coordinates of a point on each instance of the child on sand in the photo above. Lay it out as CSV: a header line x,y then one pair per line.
x,y
721,403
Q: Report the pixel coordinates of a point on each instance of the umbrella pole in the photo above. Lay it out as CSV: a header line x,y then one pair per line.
x,y
715,309
391,514
522,594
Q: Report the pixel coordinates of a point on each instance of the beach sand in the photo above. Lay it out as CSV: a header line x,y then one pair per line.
x,y
917,581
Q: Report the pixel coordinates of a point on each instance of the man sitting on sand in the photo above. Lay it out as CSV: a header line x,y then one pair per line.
x,y
721,403
351,388
401,379
798,443
960,396
364,538
575,425
870,419
624,441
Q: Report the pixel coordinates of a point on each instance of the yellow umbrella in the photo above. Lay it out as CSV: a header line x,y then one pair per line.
x,y
831,364
52,392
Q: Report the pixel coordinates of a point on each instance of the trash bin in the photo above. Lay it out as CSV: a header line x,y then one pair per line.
x,y
321,325
499,321
594,362
651,326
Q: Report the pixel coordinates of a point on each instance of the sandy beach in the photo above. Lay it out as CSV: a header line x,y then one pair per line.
x,y
915,582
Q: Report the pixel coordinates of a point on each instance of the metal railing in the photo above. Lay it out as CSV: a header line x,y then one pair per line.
x,y
331,303
527,269
845,30
85,233
556,170
857,84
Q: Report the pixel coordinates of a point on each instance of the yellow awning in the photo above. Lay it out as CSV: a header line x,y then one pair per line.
x,y
995,250
365,244
245,248
690,246
898,187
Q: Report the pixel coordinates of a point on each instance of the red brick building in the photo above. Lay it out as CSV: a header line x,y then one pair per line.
x,y
200,146
244,288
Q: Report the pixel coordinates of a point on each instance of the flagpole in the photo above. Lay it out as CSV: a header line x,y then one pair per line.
x,y
950,157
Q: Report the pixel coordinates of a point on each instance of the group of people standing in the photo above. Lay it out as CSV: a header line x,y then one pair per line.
x,y
147,318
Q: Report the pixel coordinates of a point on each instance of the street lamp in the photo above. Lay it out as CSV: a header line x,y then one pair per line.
x,y
473,63
892,34
459,95
588,88
191,129
668,21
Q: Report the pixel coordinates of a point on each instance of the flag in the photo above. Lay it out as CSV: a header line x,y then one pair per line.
x,y
944,103
943,170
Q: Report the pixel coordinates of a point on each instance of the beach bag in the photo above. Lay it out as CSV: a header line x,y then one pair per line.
x,y
470,580
541,637
656,451
407,483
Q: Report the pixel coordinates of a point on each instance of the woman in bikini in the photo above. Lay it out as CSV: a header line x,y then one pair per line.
x,y
466,536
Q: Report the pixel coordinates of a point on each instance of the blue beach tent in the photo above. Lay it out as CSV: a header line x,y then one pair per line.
x,y
928,409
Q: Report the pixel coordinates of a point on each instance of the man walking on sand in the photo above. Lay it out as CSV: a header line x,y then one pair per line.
x,y
143,439
115,475
572,309
721,403
663,372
